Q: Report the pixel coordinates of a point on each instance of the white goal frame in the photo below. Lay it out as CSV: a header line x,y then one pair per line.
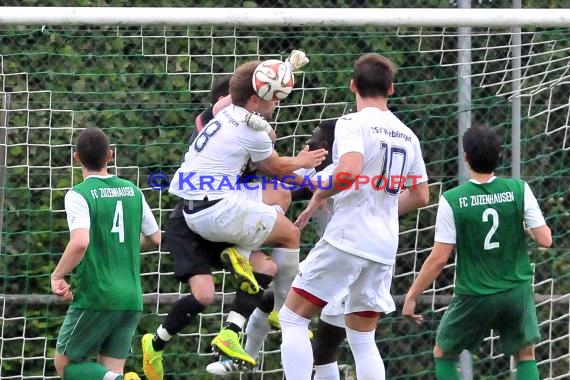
x,y
290,17
499,17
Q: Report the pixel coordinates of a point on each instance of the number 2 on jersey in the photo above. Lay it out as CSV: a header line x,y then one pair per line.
x,y
488,244
118,225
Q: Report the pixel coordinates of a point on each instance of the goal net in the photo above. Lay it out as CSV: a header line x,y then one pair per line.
x,y
144,86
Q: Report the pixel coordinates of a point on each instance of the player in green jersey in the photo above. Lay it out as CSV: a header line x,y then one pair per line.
x,y
106,216
484,220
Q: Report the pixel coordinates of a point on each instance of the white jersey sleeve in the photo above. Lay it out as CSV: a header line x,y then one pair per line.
x,y
445,223
77,211
148,224
348,137
532,215
258,144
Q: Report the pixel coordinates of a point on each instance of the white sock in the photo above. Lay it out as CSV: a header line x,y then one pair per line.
x,y
287,260
327,371
296,350
369,364
236,319
163,334
256,332
112,376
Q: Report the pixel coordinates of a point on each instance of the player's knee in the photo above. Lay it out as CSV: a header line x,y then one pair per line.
x,y
265,266
284,199
525,353
292,236
203,296
277,196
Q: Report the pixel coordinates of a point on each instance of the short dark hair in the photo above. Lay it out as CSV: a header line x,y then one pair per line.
x,y
92,147
241,87
220,88
373,75
327,127
482,146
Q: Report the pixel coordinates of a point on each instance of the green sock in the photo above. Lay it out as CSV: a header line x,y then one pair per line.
x,y
527,370
88,371
446,369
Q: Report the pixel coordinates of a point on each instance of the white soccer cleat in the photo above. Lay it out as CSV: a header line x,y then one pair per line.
x,y
223,367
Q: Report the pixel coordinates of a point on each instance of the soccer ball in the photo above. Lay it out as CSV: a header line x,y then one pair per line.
x,y
273,80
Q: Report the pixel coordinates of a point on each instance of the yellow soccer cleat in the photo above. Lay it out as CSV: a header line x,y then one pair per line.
x,y
131,376
241,268
273,320
228,343
152,360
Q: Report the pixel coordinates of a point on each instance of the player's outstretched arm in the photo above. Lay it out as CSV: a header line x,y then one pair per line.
x,y
283,166
431,269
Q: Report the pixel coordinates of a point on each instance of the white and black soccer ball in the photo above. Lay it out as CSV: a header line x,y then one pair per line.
x,y
273,80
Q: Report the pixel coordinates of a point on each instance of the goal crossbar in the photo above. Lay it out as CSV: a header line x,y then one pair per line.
x,y
419,17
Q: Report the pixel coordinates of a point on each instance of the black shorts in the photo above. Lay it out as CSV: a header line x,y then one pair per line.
x,y
191,253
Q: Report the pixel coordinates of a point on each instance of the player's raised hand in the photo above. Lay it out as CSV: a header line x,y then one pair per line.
x,y
408,311
61,288
311,158
257,122
314,204
297,59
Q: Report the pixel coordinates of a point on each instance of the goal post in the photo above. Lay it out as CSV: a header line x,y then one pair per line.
x,y
143,74
271,17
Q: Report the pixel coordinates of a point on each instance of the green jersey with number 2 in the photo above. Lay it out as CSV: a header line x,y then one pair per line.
x,y
490,238
108,277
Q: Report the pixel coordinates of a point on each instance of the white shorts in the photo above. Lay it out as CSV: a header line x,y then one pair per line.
x,y
241,219
329,273
333,313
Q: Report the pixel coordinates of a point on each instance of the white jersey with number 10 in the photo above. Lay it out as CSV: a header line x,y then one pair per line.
x,y
365,218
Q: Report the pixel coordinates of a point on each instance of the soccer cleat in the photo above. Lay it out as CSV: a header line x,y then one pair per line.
x,y
223,367
228,342
131,376
241,267
273,320
152,360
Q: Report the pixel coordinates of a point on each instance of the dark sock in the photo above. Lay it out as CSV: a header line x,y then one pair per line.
x,y
267,302
232,326
263,279
182,313
245,303
326,344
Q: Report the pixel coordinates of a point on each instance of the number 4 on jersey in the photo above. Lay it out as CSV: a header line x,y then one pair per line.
x,y
118,225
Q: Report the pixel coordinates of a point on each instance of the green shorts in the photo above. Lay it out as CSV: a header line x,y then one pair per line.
x,y
85,333
468,320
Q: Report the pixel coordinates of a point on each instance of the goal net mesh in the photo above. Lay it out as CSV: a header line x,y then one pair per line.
x,y
144,86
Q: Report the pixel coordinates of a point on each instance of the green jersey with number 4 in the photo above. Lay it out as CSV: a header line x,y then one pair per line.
x,y
108,277
490,237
